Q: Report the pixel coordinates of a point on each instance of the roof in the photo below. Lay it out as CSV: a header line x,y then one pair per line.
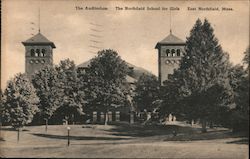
x,y
84,64
39,39
137,71
170,39
131,77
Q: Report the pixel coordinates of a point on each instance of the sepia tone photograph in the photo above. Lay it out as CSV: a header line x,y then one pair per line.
x,y
124,79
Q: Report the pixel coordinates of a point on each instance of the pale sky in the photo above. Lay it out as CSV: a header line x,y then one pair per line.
x,y
133,34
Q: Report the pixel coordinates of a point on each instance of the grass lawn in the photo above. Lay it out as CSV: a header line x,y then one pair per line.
x,y
123,141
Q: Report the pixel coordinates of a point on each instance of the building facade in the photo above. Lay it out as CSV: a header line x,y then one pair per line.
x,y
170,51
38,53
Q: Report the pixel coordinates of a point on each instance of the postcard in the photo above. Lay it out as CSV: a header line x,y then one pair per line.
x,y
124,79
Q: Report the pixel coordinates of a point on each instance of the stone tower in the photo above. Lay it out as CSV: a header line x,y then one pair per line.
x,y
170,51
38,53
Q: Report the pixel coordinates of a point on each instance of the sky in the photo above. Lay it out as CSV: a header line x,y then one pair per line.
x,y
132,33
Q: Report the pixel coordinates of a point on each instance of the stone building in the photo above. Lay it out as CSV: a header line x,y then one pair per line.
x,y
38,53
170,51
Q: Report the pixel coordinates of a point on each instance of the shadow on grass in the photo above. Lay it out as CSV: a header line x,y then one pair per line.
x,y
183,133
106,143
241,141
65,137
11,129
137,130
213,135
1,139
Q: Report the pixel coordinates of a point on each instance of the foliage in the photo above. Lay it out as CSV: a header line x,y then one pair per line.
x,y
106,77
46,83
146,92
2,101
200,87
21,101
246,59
71,98
239,80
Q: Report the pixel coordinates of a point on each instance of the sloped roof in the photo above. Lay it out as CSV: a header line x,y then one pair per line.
x,y
170,39
131,77
84,64
39,39
138,71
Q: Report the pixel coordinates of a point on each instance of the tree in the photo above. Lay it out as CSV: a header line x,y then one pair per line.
x,y
2,101
171,100
71,98
201,84
239,80
21,101
146,92
106,77
46,83
246,59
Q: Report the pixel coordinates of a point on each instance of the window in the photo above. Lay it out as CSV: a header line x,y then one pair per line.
x,y
32,52
178,52
168,52
167,61
173,52
43,61
31,61
43,52
37,53
37,61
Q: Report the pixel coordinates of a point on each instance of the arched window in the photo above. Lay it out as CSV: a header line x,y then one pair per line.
x,y
37,61
168,52
43,52
173,52
32,52
167,62
37,52
178,52
31,61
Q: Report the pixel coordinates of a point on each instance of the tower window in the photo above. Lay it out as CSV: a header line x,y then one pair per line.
x,y
167,61
43,52
37,52
173,52
178,52
32,52
168,52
